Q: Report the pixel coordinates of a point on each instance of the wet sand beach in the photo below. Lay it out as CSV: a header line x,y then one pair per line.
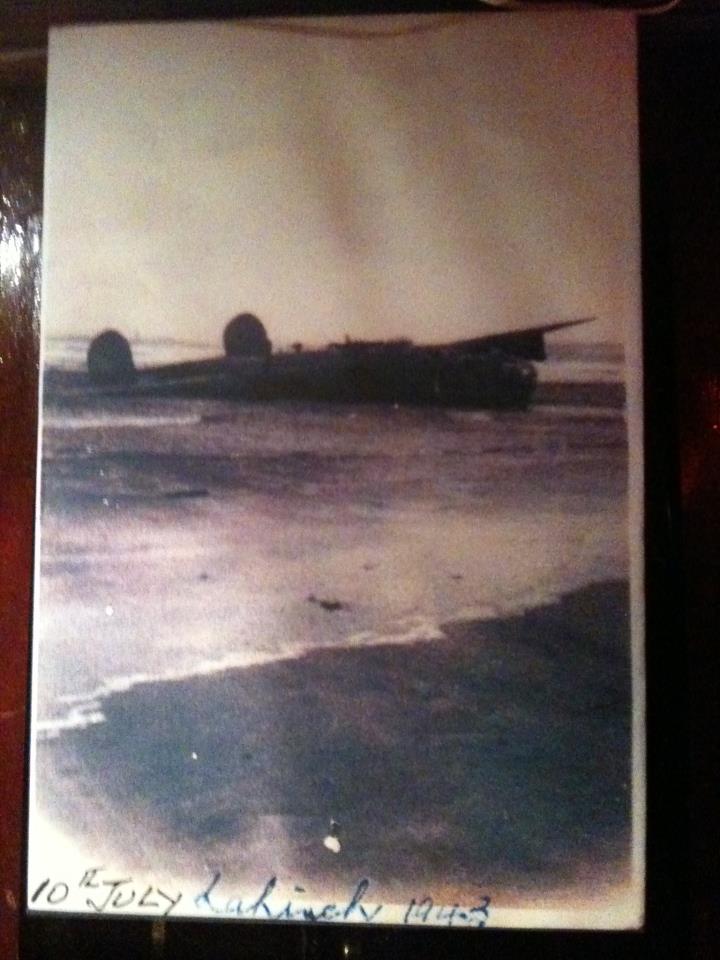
x,y
496,756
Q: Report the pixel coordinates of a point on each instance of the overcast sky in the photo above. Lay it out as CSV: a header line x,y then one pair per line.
x,y
436,185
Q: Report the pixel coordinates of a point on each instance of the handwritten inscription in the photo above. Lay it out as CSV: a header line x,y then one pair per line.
x,y
272,905
110,894
267,908
427,911
100,891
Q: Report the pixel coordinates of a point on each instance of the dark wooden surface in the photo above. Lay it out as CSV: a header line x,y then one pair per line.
x,y
21,126
680,128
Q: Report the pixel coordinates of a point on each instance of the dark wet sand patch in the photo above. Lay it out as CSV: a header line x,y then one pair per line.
x,y
499,756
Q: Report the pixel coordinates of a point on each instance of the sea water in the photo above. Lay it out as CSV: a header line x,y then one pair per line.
x,y
185,536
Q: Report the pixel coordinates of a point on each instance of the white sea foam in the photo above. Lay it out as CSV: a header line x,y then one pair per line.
x,y
85,713
85,708
485,612
410,630
112,421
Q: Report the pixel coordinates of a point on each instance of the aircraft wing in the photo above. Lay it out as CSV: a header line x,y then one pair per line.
x,y
529,344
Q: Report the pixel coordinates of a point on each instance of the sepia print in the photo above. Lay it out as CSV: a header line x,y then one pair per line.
x,y
338,605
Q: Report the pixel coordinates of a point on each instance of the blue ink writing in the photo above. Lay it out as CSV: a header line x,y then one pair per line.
x,y
119,894
418,912
291,910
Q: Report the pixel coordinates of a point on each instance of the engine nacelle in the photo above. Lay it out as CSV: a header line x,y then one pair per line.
x,y
110,360
245,336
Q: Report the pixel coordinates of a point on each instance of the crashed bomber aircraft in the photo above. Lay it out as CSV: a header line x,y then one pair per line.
x,y
495,371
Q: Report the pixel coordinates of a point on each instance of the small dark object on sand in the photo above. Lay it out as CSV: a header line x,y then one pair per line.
x,y
456,576
331,605
204,576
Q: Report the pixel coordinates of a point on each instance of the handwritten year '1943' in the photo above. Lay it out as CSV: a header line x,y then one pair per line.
x,y
106,894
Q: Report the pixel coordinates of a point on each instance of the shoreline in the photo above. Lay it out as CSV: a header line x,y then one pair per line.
x,y
498,755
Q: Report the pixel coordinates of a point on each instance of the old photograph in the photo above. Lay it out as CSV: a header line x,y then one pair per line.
x,y
338,610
